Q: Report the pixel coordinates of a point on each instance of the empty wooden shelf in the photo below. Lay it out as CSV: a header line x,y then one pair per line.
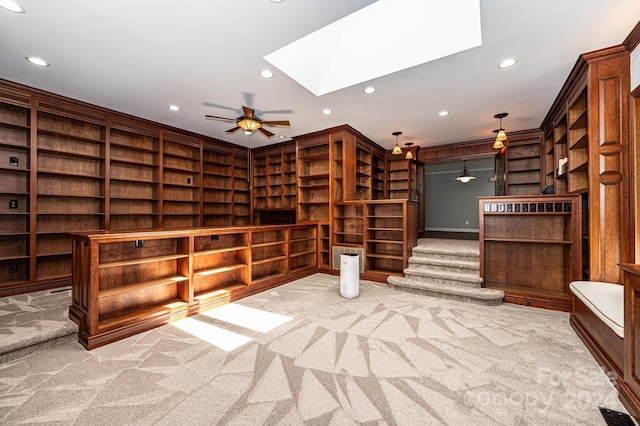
x,y
130,281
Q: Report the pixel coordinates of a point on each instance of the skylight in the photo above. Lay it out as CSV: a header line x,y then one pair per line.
x,y
382,38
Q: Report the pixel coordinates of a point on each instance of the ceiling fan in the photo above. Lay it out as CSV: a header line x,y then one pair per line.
x,y
250,123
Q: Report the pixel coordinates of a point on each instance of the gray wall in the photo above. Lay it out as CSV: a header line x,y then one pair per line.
x,y
450,204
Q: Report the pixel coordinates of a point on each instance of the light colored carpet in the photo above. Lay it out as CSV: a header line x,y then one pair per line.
x,y
301,354
35,321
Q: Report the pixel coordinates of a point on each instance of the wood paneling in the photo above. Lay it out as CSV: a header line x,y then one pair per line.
x,y
609,167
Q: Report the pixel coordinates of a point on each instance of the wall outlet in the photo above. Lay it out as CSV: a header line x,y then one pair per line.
x,y
13,161
139,243
13,204
13,268
466,222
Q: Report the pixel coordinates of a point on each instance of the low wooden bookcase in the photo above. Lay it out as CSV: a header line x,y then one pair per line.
x,y
127,282
530,247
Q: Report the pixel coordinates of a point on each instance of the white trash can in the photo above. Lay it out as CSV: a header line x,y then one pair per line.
x,y
349,275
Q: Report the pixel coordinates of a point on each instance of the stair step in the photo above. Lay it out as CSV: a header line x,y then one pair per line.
x,y
444,264
444,253
483,296
444,277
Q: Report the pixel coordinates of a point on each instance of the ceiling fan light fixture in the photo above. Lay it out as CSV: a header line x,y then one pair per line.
x,y
248,125
465,176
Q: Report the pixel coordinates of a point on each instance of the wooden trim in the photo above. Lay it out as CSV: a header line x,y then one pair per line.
x,y
633,39
574,84
86,111
471,149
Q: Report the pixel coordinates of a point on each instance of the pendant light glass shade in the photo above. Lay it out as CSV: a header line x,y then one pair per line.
x,y
248,124
396,149
501,136
465,176
409,155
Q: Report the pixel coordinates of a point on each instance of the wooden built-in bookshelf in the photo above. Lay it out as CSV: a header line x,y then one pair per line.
x,y
127,282
530,247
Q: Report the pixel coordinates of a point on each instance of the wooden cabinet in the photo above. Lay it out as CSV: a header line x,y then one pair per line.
x,y
15,210
134,177
241,190
390,234
530,247
217,192
269,250
180,182
128,282
313,179
588,124
220,264
70,188
524,165
274,184
629,391
324,247
348,223
405,180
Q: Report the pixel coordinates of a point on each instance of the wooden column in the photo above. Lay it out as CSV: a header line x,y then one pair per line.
x,y
609,167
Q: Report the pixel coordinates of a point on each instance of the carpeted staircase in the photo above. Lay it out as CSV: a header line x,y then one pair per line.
x,y
446,270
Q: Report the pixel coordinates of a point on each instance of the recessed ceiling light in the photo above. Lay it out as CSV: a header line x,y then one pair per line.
x,y
370,89
11,6
174,107
443,113
266,74
281,136
507,63
37,61
326,111
277,1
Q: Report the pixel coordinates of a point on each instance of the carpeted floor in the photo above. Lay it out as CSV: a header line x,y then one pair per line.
x,y
301,354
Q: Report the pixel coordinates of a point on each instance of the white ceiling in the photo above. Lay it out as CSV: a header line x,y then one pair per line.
x,y
139,56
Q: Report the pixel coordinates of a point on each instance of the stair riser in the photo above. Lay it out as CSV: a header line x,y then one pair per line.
x,y
458,269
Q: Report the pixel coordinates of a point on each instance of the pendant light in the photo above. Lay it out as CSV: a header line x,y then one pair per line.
x,y
502,136
465,176
396,149
409,155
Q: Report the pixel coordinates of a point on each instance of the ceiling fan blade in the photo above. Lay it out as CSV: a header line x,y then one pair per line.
x,y
277,111
276,123
265,132
237,111
232,130
248,112
215,117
